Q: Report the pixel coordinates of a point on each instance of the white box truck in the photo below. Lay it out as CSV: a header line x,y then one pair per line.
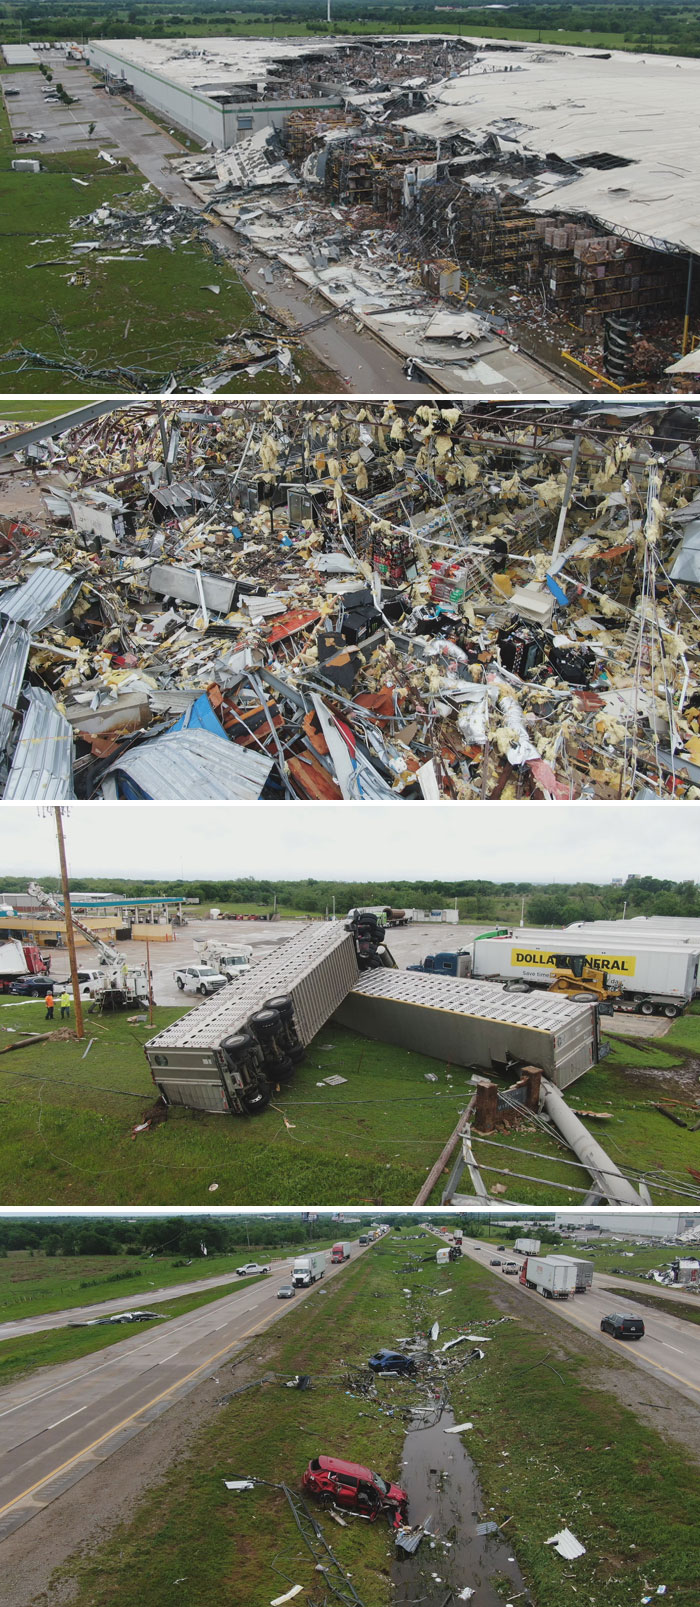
x,y
652,980
553,1277
307,1269
527,1246
340,1252
584,1271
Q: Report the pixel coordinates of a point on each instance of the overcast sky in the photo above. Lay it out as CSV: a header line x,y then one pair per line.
x,y
495,842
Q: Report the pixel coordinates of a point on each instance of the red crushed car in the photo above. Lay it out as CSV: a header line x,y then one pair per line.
x,y
347,1484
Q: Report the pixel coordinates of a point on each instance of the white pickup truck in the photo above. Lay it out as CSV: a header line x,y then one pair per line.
x,y
250,1270
199,979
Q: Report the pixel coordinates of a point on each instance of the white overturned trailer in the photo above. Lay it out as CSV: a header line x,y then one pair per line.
x,y
226,1055
475,1024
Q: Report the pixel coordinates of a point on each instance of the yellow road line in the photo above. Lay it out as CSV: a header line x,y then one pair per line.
x,y
130,1419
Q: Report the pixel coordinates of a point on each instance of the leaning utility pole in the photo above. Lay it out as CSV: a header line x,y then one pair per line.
x,y
70,935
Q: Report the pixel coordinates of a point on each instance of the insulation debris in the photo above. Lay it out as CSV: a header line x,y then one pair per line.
x,y
351,600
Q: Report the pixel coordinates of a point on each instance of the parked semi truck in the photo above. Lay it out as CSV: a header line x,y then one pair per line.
x,y
19,960
637,975
583,1269
307,1269
340,1252
527,1246
552,1276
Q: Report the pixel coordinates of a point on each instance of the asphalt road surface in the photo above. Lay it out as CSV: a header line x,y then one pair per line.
x,y
60,1423
670,1347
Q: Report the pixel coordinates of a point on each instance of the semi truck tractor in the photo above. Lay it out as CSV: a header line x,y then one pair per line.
x,y
583,1269
307,1269
340,1252
552,1276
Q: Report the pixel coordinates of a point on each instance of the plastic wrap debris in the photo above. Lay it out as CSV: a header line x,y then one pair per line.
x,y
335,586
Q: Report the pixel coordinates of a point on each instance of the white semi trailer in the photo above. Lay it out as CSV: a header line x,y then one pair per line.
x,y
307,1269
552,1276
584,1271
654,979
527,1246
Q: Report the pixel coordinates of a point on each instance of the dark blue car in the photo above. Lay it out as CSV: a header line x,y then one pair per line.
x,y
391,1361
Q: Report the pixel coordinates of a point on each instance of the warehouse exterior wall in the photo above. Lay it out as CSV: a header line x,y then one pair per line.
x,y
195,112
188,109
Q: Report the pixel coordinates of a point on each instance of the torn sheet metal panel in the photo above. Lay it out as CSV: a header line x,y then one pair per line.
x,y
173,580
43,597
14,652
686,564
42,763
192,764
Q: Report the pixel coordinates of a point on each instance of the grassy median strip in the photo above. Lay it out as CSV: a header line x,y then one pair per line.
x,y
66,1132
550,1451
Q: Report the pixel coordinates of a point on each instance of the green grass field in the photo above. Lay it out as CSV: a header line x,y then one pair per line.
x,y
20,1357
123,316
67,1122
549,1450
32,1285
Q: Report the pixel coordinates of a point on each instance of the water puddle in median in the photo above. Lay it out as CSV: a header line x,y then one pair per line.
x,y
443,1486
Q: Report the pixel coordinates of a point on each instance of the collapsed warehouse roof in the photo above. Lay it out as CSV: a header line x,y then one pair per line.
x,y
620,120
351,600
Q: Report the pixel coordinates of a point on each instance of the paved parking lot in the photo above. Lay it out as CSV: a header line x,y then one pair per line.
x,y
119,127
408,944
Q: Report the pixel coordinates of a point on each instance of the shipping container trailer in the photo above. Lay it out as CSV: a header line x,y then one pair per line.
x,y
222,1057
527,1246
474,1024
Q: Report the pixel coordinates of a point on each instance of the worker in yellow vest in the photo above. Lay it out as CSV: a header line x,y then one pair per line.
x,y
65,1002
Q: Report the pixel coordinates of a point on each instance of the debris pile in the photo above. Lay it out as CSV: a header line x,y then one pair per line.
x,y
352,600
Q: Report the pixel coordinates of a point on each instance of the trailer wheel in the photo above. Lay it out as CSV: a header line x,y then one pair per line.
x,y
646,1008
671,1010
257,1099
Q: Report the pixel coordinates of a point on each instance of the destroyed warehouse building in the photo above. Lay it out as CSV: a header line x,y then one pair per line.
x,y
545,195
351,601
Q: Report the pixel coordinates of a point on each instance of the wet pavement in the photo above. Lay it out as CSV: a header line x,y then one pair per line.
x,y
444,1492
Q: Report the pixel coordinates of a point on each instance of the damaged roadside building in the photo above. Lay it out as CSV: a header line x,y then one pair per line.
x,y
351,600
455,195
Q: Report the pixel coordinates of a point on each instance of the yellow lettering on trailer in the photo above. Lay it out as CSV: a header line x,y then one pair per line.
x,y
620,964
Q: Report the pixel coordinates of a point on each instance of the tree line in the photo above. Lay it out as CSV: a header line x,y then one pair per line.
x,y
546,904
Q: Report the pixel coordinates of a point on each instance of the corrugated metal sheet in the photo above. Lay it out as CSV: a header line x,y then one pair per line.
x,y
42,763
474,1024
14,652
317,967
45,594
174,580
188,765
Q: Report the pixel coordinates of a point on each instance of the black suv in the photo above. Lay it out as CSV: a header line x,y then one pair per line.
x,y
620,1327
